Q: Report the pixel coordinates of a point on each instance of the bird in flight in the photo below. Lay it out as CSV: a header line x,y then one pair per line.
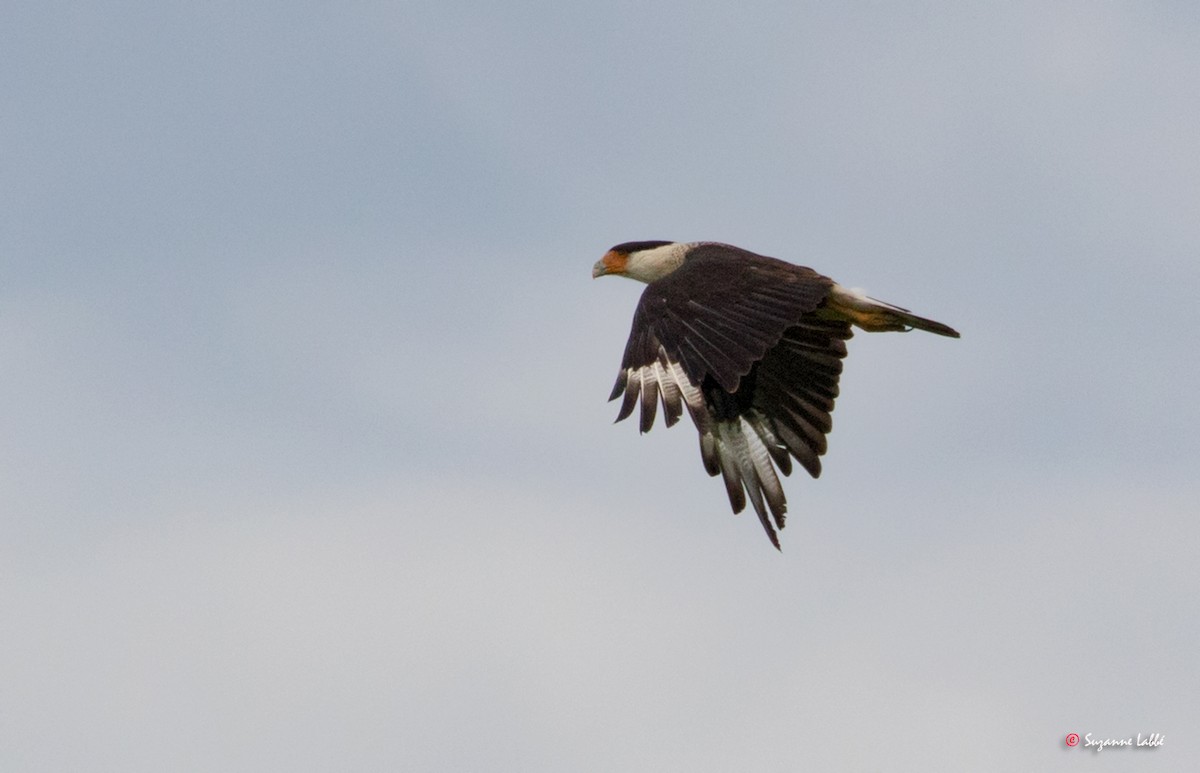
x,y
752,346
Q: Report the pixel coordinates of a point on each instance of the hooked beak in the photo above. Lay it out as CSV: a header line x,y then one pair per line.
x,y
613,262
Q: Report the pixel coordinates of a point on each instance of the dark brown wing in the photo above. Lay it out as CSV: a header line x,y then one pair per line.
x,y
731,336
716,315
780,410
795,385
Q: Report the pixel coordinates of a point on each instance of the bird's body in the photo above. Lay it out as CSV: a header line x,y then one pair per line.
x,y
752,347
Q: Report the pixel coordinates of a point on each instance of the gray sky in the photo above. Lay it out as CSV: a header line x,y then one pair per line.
x,y
305,459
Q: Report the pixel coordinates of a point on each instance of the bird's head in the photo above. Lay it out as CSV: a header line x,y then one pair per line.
x,y
643,261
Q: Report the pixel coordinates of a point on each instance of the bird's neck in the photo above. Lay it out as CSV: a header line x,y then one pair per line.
x,y
653,264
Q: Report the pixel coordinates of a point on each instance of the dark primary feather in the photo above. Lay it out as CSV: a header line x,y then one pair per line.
x,y
796,385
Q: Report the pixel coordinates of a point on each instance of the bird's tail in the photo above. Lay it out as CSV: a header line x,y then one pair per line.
x,y
875,316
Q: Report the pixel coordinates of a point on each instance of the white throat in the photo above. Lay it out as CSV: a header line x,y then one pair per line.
x,y
650,265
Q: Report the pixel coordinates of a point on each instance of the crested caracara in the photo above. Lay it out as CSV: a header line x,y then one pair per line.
x,y
752,346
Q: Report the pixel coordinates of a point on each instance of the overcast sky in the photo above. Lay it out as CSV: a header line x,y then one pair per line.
x,y
305,459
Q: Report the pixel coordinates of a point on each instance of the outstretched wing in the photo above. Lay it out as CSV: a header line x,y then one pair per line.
x,y
712,318
731,336
794,388
780,411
